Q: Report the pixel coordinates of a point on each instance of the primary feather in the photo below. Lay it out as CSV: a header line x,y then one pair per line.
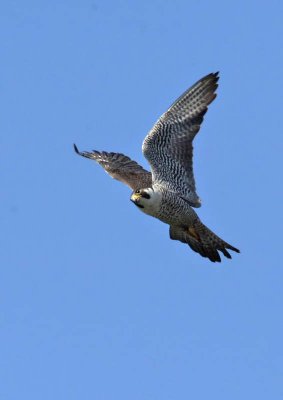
x,y
120,167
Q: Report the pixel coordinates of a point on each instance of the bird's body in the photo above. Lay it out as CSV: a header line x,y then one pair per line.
x,y
168,192
165,206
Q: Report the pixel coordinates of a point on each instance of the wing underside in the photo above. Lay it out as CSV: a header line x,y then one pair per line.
x,y
168,147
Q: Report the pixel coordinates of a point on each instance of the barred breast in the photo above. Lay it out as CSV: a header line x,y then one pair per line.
x,y
174,210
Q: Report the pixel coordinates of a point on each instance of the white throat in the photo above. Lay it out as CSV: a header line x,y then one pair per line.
x,y
151,205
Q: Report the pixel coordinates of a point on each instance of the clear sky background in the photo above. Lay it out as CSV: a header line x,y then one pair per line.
x,y
95,301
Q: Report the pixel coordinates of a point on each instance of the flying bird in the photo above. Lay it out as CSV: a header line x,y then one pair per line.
x,y
168,192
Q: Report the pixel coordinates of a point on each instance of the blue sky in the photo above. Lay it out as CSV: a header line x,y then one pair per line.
x,y
95,301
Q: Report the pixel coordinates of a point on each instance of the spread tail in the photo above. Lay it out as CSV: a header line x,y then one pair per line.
x,y
202,240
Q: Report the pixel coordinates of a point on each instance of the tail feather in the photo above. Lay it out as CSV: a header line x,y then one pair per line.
x,y
202,240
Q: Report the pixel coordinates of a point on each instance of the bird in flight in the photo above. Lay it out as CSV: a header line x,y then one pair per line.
x,y
168,192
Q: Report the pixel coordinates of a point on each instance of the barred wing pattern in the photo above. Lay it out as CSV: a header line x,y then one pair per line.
x,y
120,167
168,146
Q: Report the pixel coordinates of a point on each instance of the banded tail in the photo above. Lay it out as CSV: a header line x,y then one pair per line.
x,y
202,240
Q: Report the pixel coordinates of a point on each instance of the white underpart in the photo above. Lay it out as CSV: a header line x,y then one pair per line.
x,y
152,205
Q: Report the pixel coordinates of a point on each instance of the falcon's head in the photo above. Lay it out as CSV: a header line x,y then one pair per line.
x,y
148,200
141,197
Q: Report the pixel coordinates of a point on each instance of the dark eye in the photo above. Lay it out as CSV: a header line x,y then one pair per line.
x,y
138,191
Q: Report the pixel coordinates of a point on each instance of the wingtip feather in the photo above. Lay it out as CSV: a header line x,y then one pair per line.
x,y
76,149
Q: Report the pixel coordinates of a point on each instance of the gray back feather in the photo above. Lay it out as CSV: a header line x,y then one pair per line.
x,y
120,167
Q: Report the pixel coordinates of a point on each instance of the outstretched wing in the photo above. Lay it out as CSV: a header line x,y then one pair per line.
x,y
168,146
120,167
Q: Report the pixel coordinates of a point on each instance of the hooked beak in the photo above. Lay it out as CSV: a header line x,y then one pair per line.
x,y
135,199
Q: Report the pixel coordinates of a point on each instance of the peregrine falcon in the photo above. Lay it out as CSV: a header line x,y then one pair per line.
x,y
168,192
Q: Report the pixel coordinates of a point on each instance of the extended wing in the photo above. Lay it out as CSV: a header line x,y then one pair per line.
x,y
120,167
168,146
